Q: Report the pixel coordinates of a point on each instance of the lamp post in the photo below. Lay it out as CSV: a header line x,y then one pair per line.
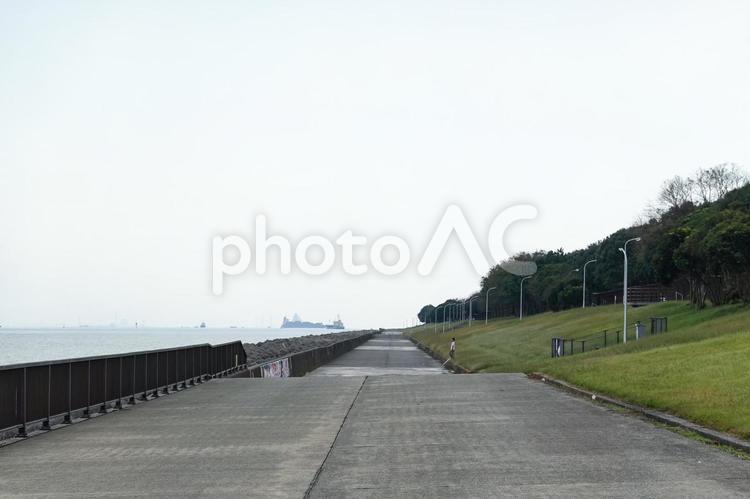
x,y
435,317
470,302
584,282
624,250
520,308
444,308
487,304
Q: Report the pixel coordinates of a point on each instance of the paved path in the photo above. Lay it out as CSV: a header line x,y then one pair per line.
x,y
505,435
385,354
373,435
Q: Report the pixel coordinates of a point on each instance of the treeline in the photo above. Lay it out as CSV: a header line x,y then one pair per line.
x,y
696,238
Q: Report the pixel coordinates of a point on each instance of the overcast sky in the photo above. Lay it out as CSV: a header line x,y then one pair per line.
x,y
132,133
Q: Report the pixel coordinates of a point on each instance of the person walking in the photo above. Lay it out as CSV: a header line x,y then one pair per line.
x,y
451,352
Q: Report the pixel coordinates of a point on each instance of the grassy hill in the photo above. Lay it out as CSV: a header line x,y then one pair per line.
x,y
699,369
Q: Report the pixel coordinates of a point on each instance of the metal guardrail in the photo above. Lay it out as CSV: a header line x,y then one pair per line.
x,y
62,390
561,347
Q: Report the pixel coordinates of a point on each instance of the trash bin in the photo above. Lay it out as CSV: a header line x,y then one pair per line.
x,y
640,330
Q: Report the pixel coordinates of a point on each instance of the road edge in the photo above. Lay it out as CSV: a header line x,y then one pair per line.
x,y
662,417
450,364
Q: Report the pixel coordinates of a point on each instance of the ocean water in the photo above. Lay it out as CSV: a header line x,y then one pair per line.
x,y
33,345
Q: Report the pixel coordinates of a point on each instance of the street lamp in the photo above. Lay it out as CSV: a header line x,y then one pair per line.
x,y
624,250
470,302
584,282
520,308
444,308
434,318
487,304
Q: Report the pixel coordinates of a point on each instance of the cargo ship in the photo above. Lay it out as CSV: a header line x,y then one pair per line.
x,y
297,322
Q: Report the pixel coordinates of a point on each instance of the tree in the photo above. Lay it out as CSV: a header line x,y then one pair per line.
x,y
676,192
427,314
712,184
705,245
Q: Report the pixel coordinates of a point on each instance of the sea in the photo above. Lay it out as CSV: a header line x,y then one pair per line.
x,y
20,346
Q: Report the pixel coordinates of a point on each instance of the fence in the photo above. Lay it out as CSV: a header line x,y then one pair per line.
x,y
304,362
658,325
43,392
603,339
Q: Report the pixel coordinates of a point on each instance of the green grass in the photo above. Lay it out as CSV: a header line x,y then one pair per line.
x,y
699,370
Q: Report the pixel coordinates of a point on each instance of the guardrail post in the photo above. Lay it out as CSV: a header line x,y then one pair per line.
x,y
166,381
118,405
132,399
103,407
46,423
69,416
156,391
88,392
193,365
200,364
22,429
145,378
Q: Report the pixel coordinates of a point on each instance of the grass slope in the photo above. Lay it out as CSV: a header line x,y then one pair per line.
x,y
699,370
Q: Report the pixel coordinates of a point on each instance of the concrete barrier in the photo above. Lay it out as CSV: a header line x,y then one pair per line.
x,y
308,360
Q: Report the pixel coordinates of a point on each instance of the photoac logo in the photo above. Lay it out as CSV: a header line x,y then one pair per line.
x,y
452,222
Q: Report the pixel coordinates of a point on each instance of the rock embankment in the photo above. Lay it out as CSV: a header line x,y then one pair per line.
x,y
258,353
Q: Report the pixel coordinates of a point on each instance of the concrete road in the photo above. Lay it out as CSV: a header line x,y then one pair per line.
x,y
370,436
228,437
385,354
505,435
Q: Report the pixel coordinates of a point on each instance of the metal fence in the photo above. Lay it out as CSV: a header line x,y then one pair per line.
x,y
603,339
63,390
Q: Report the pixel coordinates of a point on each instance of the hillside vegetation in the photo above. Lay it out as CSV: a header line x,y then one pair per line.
x,y
699,369
696,242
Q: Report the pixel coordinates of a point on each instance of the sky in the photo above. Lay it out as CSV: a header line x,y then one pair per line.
x,y
134,133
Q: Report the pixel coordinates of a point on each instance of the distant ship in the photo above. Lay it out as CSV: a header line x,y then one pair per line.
x,y
337,324
297,322
203,324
